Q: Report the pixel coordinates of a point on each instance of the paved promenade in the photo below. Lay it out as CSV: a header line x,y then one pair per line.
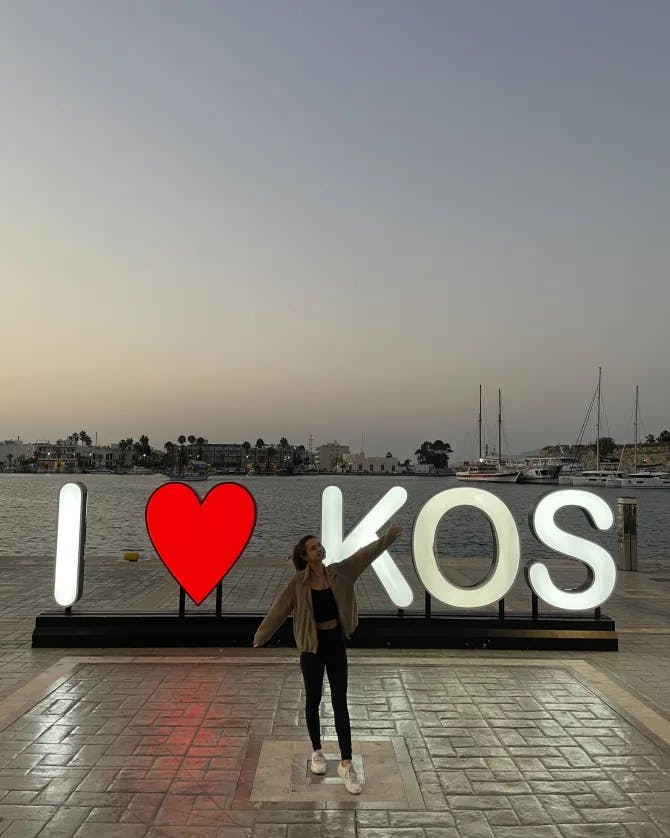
x,y
211,742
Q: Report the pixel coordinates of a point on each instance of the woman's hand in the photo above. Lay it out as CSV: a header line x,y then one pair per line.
x,y
392,533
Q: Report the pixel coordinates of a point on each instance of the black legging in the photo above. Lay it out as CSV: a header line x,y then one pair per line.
x,y
331,656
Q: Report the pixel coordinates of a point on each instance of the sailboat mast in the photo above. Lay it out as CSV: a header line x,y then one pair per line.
x,y
637,390
499,427
480,421
600,371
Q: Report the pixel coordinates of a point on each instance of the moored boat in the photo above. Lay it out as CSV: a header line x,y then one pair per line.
x,y
485,471
489,469
652,477
540,470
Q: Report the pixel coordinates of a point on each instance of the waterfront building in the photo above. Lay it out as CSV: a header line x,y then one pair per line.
x,y
333,456
104,457
359,463
223,454
56,456
13,452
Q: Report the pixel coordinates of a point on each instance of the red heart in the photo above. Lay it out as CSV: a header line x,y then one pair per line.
x,y
199,541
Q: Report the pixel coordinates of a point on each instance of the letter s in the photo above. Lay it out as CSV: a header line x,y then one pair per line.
x,y
601,576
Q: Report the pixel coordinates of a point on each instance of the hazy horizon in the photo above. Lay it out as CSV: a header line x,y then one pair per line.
x,y
249,219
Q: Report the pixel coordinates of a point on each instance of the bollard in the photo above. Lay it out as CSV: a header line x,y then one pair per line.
x,y
627,518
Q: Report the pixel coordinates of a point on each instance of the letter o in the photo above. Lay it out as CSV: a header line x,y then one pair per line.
x,y
506,560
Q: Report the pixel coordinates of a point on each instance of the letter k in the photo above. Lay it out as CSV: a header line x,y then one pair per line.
x,y
365,531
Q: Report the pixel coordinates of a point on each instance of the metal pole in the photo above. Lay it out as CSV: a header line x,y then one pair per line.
x,y
501,609
600,372
535,608
219,598
182,602
499,427
480,421
627,521
427,605
637,394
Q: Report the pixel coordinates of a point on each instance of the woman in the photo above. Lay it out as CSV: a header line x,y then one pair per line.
x,y
323,604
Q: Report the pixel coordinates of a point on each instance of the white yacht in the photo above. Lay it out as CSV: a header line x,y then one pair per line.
x,y
597,477
540,470
646,478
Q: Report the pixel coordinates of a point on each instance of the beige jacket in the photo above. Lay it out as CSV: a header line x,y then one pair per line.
x,y
296,598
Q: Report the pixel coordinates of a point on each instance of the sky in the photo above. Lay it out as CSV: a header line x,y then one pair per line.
x,y
264,219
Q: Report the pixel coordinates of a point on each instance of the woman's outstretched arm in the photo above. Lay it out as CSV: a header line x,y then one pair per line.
x,y
279,611
363,558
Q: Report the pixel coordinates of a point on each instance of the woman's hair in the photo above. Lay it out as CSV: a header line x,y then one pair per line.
x,y
298,554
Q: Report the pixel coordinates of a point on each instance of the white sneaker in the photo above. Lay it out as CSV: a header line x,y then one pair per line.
x,y
318,763
350,777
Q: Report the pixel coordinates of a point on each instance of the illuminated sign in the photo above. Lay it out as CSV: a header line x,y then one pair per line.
x,y
199,541
365,531
70,541
507,548
601,574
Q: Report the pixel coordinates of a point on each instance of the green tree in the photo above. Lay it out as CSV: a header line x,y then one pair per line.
x,y
435,454
607,446
650,439
181,439
85,438
283,442
664,436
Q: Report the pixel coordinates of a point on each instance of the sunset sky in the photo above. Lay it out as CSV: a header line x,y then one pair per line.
x,y
244,219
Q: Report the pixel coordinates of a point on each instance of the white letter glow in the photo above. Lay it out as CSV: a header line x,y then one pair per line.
x,y
601,576
70,540
365,531
505,563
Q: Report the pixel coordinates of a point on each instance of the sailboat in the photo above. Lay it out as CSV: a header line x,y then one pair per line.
x,y
644,477
600,475
489,469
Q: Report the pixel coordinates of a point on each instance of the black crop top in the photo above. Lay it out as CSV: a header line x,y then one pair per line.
x,y
325,607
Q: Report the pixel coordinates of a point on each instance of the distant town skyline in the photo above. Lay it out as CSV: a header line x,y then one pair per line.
x,y
249,219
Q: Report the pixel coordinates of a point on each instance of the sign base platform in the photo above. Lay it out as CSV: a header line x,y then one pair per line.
x,y
55,629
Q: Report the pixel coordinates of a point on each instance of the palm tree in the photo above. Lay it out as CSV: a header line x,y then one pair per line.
x,y
169,448
181,439
200,441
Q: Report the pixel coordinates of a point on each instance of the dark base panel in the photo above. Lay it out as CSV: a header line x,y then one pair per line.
x,y
375,631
